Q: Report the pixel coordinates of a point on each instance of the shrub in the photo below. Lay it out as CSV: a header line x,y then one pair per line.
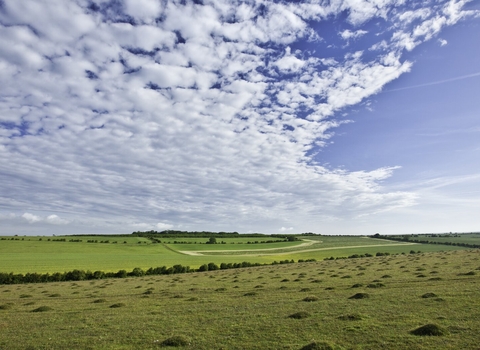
x,y
137,272
5,307
375,285
357,285
429,330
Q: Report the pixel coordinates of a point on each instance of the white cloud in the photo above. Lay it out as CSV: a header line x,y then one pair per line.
x,y
146,10
51,219
56,220
348,34
442,42
163,226
31,218
203,118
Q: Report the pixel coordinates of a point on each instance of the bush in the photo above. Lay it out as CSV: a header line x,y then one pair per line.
x,y
310,298
137,272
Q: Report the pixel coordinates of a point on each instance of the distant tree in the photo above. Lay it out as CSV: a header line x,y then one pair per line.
x,y
212,240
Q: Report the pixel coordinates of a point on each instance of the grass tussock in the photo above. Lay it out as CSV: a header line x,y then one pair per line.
x,y
350,317
318,346
310,298
429,295
117,305
99,301
360,296
42,309
429,330
175,341
299,315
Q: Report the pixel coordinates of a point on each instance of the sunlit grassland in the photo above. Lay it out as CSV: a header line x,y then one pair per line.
x,y
250,308
32,255
469,238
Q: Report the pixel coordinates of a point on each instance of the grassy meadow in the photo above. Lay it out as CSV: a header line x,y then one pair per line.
x,y
357,303
113,253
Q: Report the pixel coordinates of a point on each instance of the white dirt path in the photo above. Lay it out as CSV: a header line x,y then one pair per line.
x,y
306,244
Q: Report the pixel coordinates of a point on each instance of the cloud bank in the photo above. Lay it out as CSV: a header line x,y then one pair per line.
x,y
117,115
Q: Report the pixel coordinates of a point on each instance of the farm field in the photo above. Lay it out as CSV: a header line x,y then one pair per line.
x,y
468,238
356,303
51,254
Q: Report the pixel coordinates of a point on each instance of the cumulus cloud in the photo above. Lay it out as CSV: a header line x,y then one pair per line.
x,y
201,115
55,220
31,218
51,219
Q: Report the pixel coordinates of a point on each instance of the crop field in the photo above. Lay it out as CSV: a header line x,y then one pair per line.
x,y
404,301
113,253
468,238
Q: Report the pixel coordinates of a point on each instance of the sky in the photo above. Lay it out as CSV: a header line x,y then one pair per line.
x,y
334,117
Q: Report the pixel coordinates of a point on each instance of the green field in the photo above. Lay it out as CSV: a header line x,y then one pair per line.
x,y
468,238
47,254
288,306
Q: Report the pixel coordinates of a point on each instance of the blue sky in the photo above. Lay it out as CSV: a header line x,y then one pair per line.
x,y
335,117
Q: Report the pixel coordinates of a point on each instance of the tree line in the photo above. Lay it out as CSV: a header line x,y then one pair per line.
x,y
82,275
202,234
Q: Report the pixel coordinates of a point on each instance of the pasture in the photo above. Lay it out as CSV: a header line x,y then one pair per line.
x,y
113,253
356,303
